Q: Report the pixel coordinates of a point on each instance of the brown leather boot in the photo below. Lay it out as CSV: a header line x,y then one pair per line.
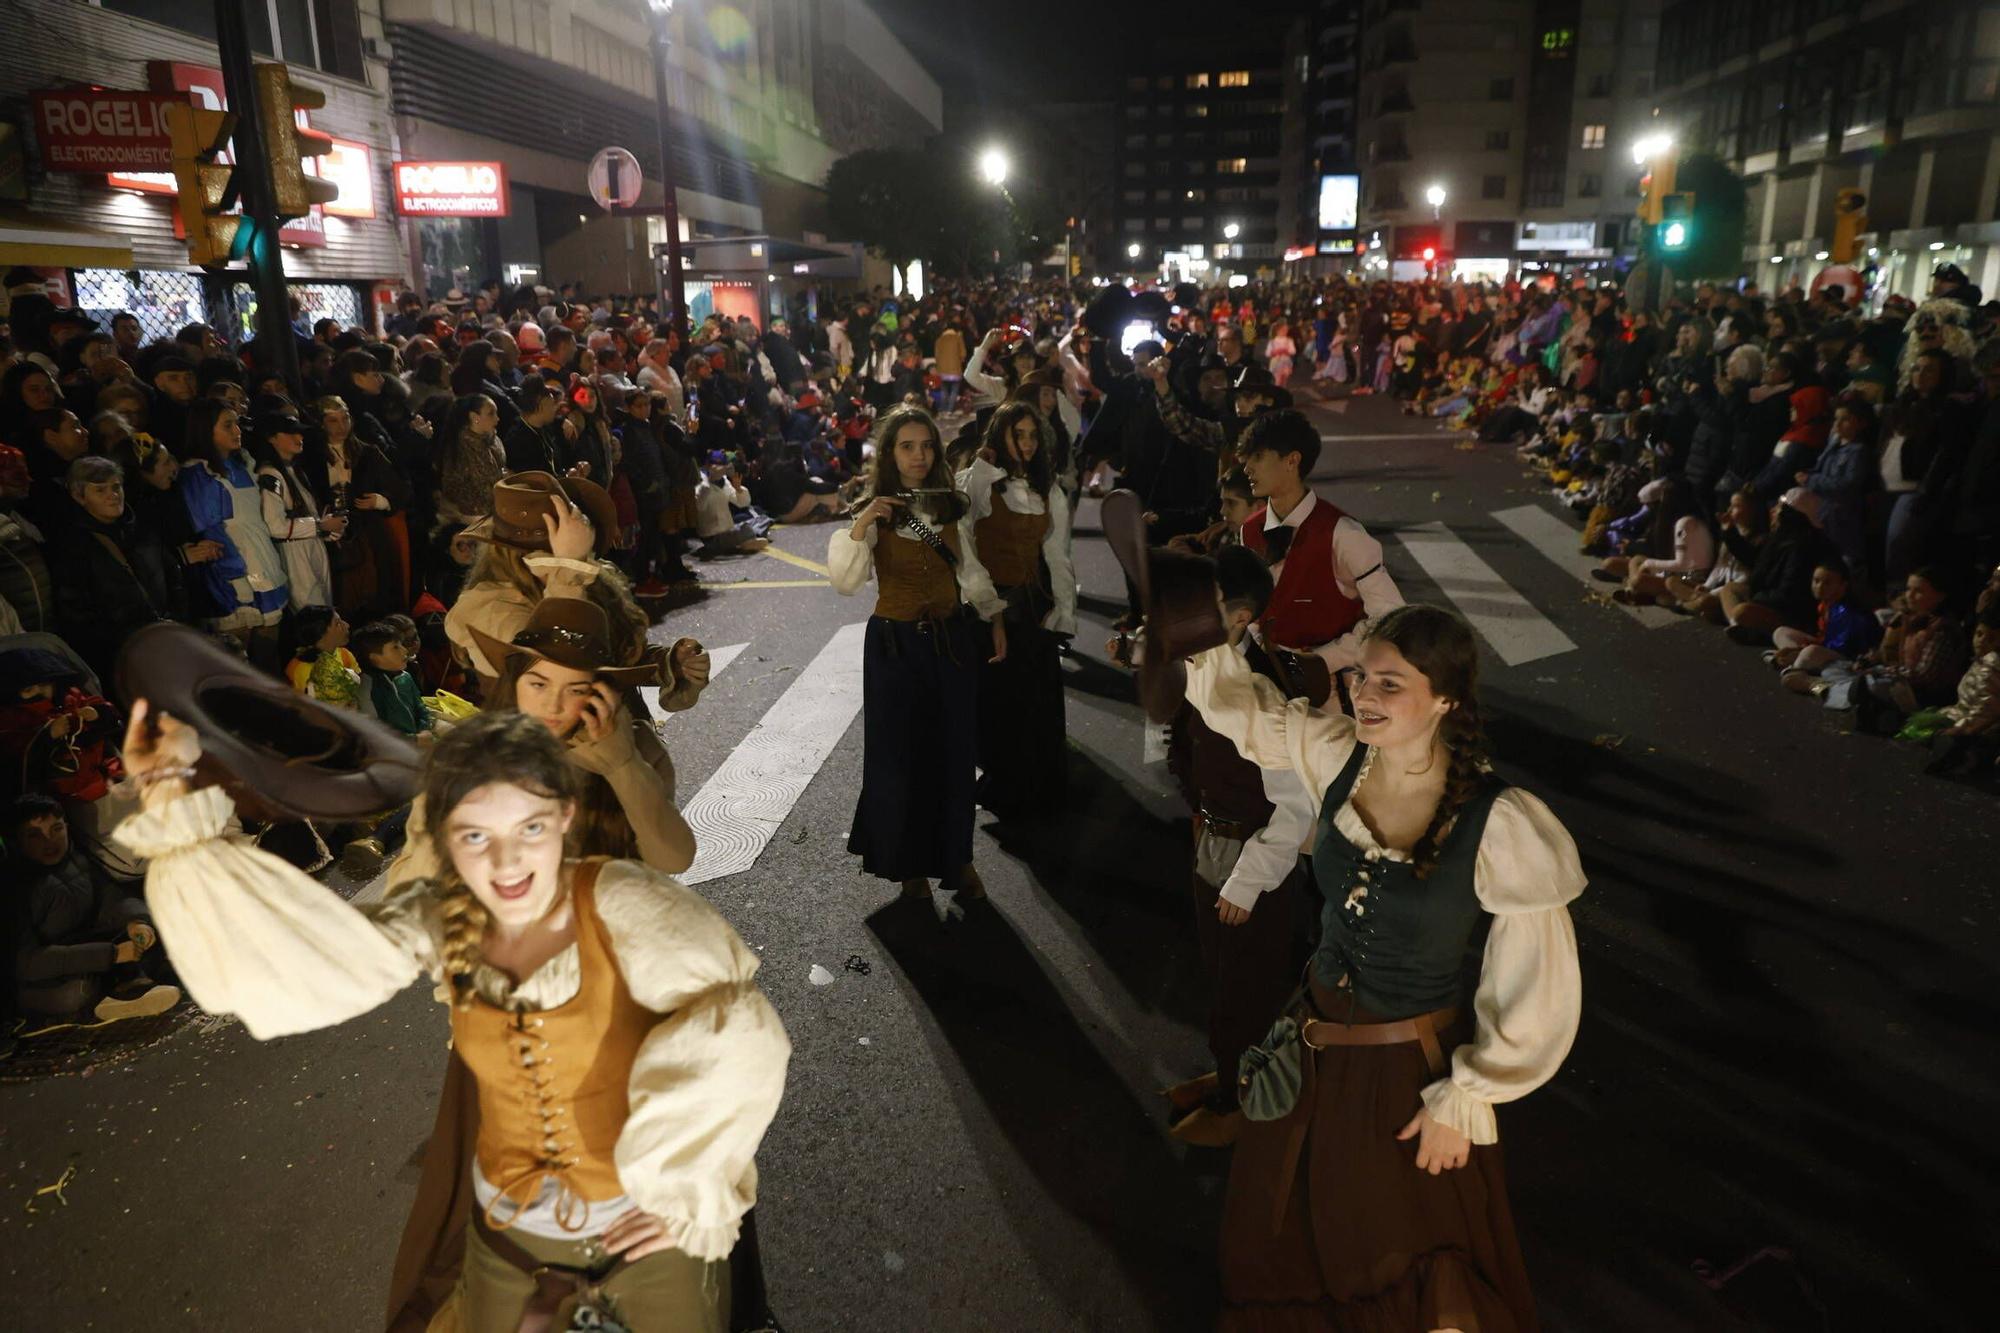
x,y
915,889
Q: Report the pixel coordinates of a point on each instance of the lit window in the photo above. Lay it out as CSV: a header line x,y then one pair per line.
x,y
1233,78
1197,196
1232,166
1197,80
1197,109
1593,136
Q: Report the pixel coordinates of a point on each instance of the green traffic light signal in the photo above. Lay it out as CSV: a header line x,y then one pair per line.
x,y
1674,236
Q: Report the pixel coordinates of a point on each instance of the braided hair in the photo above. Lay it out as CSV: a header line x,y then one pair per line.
x,y
490,747
1439,644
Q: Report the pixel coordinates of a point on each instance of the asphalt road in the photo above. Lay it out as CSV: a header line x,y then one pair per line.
x,y
1787,1043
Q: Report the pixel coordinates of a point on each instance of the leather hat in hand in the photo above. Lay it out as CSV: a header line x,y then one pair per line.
x,y
523,501
1177,594
279,755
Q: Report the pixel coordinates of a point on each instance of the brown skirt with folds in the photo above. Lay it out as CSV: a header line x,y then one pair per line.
x,y
1329,1227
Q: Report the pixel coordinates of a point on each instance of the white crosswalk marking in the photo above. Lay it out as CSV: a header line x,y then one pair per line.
x,y
1516,630
742,805
1547,533
718,658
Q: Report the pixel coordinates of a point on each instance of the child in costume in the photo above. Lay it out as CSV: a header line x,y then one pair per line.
x,y
322,668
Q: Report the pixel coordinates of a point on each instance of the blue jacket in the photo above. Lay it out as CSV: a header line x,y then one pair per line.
x,y
210,506
1850,630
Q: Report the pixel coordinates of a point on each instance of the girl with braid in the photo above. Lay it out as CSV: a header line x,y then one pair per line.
x,y
623,1062
1379,1198
920,663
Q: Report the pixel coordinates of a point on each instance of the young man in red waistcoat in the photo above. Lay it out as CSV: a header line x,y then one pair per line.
x,y
1330,578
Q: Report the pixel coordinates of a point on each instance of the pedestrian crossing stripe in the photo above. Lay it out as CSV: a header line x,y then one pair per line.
x,y
1555,539
766,583
745,801
1517,632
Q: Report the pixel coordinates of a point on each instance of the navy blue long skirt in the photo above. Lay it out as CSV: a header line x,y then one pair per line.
x,y
919,692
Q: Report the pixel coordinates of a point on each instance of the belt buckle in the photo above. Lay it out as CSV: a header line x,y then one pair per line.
x,y
1306,1041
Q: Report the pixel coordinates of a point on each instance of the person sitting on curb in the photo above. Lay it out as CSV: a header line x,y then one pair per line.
x,y
84,946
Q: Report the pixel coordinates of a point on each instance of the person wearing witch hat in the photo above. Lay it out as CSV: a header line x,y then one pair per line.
x,y
621,1062
1330,577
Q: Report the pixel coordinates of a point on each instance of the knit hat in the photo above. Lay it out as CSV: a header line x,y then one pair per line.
x,y
1810,417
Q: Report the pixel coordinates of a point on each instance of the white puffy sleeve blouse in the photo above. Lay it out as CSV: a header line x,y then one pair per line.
x,y
252,936
1530,994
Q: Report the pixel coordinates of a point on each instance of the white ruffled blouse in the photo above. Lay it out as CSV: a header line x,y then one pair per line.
x,y
1527,872
977,482
252,936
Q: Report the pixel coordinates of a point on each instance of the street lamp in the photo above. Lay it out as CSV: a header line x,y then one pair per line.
x,y
1434,196
993,166
674,298
1650,147
1133,250
1231,231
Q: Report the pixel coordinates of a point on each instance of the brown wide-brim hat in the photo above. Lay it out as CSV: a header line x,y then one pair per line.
x,y
569,632
279,755
1046,377
1177,595
523,501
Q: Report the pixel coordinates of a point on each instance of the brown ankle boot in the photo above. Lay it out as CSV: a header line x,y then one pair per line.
x,y
914,889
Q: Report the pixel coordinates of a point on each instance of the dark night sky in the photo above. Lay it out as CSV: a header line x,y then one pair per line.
x,y
1062,50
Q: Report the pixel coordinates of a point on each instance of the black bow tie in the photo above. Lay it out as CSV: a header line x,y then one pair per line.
x,y
1277,541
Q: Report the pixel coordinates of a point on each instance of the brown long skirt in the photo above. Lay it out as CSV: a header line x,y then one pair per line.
x,y
1329,1227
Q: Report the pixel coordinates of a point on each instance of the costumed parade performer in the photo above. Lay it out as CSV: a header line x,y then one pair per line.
x,y
623,1063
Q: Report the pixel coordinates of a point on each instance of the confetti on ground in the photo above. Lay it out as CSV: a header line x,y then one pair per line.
x,y
1607,740
819,976
62,1183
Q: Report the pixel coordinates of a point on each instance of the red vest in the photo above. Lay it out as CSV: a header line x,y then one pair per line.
x,y
1307,608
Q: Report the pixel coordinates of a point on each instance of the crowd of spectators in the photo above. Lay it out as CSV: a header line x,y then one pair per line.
x,y
1820,477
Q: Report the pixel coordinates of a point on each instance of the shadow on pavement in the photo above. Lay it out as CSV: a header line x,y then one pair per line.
x,y
1063,1113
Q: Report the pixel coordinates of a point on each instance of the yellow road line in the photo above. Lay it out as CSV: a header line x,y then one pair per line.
x,y
767,583
798,560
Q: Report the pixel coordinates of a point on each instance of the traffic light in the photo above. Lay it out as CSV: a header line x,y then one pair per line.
x,y
1850,219
287,146
1676,222
1654,187
202,183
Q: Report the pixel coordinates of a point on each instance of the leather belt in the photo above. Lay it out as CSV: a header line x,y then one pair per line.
x,y
1320,1033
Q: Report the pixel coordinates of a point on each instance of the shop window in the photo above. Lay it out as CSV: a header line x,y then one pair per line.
x,y
163,302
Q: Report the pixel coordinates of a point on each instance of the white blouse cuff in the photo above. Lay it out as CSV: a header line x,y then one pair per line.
x,y
1454,1107
551,562
188,822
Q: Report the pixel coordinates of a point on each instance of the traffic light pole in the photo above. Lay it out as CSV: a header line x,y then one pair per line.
x,y
674,298
277,348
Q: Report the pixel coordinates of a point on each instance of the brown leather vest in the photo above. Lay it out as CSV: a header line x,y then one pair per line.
x,y
553,1082
1227,785
912,581
1010,544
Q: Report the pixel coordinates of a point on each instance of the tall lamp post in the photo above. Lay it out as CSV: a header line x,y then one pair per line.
x,y
673,300
1435,197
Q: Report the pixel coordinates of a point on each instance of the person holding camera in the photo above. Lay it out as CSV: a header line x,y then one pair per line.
x,y
920,663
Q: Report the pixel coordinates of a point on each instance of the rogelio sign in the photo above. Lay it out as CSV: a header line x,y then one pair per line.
x,y
103,130
451,189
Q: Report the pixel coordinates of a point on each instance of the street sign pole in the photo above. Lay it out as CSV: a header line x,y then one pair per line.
x,y
277,348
